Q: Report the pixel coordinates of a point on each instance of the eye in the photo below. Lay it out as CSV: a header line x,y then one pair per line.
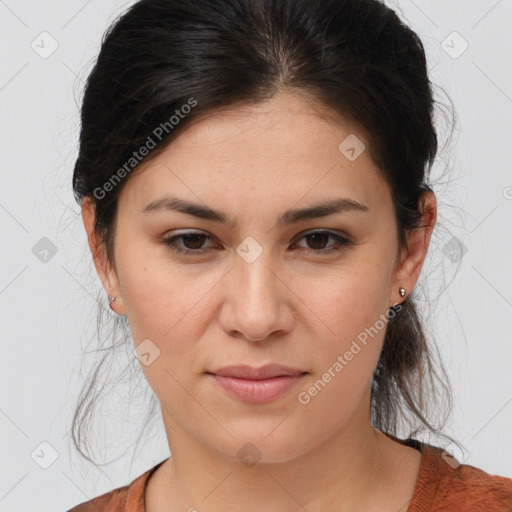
x,y
192,242
320,237
193,239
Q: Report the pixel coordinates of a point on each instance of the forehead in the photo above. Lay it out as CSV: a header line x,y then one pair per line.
x,y
285,149
292,116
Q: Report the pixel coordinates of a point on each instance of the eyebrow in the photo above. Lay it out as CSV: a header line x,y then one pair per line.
x,y
322,209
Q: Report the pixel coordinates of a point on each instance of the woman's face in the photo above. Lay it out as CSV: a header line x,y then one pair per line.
x,y
258,289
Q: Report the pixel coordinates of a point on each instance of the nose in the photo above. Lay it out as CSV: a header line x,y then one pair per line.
x,y
258,304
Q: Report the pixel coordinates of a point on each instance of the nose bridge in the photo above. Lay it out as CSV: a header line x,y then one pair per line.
x,y
257,283
256,295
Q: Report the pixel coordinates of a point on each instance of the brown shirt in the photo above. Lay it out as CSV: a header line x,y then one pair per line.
x,y
440,487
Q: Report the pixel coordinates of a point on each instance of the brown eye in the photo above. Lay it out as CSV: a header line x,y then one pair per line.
x,y
191,243
317,241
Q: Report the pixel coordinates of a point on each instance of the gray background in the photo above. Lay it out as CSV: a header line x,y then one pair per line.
x,y
48,301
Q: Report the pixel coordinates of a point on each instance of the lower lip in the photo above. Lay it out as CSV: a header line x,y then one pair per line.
x,y
257,391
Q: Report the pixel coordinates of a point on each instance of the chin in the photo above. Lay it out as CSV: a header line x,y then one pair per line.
x,y
264,449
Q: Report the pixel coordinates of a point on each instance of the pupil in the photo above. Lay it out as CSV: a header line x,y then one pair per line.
x,y
197,238
318,235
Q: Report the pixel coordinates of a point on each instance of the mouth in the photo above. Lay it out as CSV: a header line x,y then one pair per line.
x,y
257,385
264,372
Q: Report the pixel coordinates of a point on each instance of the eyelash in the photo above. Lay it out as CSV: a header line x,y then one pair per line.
x,y
342,240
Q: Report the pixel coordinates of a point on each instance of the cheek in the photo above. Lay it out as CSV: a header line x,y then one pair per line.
x,y
169,308
343,304
157,296
350,320
164,312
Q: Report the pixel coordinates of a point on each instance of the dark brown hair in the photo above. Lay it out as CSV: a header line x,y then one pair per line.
x,y
355,57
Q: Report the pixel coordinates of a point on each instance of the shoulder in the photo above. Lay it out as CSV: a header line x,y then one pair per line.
x,y
126,498
113,501
471,486
444,484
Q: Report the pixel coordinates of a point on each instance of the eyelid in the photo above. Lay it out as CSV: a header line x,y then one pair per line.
x,y
322,230
306,232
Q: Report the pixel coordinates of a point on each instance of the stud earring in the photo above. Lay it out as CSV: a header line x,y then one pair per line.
x,y
110,300
402,292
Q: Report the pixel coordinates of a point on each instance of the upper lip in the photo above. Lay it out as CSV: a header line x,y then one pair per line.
x,y
263,372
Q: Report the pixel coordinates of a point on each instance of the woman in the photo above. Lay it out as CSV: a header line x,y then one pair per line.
x,y
253,177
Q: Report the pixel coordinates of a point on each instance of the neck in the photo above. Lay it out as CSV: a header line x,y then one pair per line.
x,y
347,472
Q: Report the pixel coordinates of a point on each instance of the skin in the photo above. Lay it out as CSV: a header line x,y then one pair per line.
x,y
290,306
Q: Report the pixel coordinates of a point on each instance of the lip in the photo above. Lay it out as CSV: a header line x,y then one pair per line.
x,y
257,385
263,372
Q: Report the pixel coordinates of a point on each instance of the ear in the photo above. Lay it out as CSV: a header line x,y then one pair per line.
x,y
105,269
418,240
